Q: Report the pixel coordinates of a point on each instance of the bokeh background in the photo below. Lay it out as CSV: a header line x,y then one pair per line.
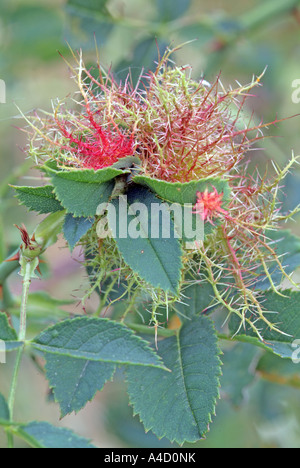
x,y
238,39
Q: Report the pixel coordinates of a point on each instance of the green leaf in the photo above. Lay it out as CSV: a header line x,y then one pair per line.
x,y
82,355
96,339
40,199
179,405
283,311
128,430
8,335
75,381
4,410
170,10
44,435
156,259
238,371
75,228
81,191
176,192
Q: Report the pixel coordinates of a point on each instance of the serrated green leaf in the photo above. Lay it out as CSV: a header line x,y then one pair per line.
x,y
44,435
75,228
81,191
75,381
96,339
283,311
156,259
4,410
8,335
179,405
40,199
129,430
82,355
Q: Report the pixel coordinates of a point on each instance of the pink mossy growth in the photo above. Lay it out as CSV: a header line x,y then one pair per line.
x,y
181,129
209,205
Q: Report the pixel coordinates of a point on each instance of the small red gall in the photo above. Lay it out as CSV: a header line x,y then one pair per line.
x,y
209,205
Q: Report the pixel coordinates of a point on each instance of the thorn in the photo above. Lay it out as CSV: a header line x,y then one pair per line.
x,y
15,258
39,270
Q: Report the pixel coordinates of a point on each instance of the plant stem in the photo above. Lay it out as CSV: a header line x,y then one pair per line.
x,y
25,291
22,337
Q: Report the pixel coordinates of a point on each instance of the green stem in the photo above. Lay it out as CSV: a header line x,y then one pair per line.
x,y
22,337
18,172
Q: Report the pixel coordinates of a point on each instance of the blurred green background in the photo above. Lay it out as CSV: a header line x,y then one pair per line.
x,y
236,39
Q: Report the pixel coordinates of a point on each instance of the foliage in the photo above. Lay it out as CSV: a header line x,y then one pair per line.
x,y
160,294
